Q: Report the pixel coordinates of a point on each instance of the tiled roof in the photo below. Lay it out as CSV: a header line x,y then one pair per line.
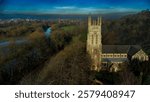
x,y
129,49
133,50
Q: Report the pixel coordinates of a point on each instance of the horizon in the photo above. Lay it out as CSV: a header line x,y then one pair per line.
x,y
32,13
72,7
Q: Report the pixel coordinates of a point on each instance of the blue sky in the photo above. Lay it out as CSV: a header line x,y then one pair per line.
x,y
72,6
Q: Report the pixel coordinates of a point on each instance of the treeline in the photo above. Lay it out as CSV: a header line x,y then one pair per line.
x,y
129,30
63,35
70,66
18,29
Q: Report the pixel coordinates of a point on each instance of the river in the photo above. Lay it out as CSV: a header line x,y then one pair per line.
x,y
6,43
47,34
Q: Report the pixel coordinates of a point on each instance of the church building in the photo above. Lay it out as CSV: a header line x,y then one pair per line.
x,y
105,55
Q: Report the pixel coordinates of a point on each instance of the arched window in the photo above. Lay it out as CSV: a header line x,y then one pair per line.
x,y
96,38
146,58
92,39
143,58
139,57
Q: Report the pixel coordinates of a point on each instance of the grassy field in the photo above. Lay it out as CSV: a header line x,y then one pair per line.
x,y
69,28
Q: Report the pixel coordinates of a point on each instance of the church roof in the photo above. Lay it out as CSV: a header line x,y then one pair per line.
x,y
115,48
130,49
134,49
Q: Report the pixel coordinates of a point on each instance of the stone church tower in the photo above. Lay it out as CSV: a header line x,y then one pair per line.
x,y
94,42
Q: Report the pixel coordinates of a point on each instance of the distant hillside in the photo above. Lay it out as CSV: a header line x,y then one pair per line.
x,y
131,29
62,16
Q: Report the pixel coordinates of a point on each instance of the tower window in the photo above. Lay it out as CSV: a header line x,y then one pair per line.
x,y
96,39
92,39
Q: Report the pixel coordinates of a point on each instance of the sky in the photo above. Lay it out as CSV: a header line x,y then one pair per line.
x,y
72,6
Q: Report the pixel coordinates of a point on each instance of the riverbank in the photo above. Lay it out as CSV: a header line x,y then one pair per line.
x,y
6,43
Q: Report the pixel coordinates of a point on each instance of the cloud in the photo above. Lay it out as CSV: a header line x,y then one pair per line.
x,y
86,10
69,9
65,7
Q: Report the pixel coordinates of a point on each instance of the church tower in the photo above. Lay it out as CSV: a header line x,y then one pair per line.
x,y
94,42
